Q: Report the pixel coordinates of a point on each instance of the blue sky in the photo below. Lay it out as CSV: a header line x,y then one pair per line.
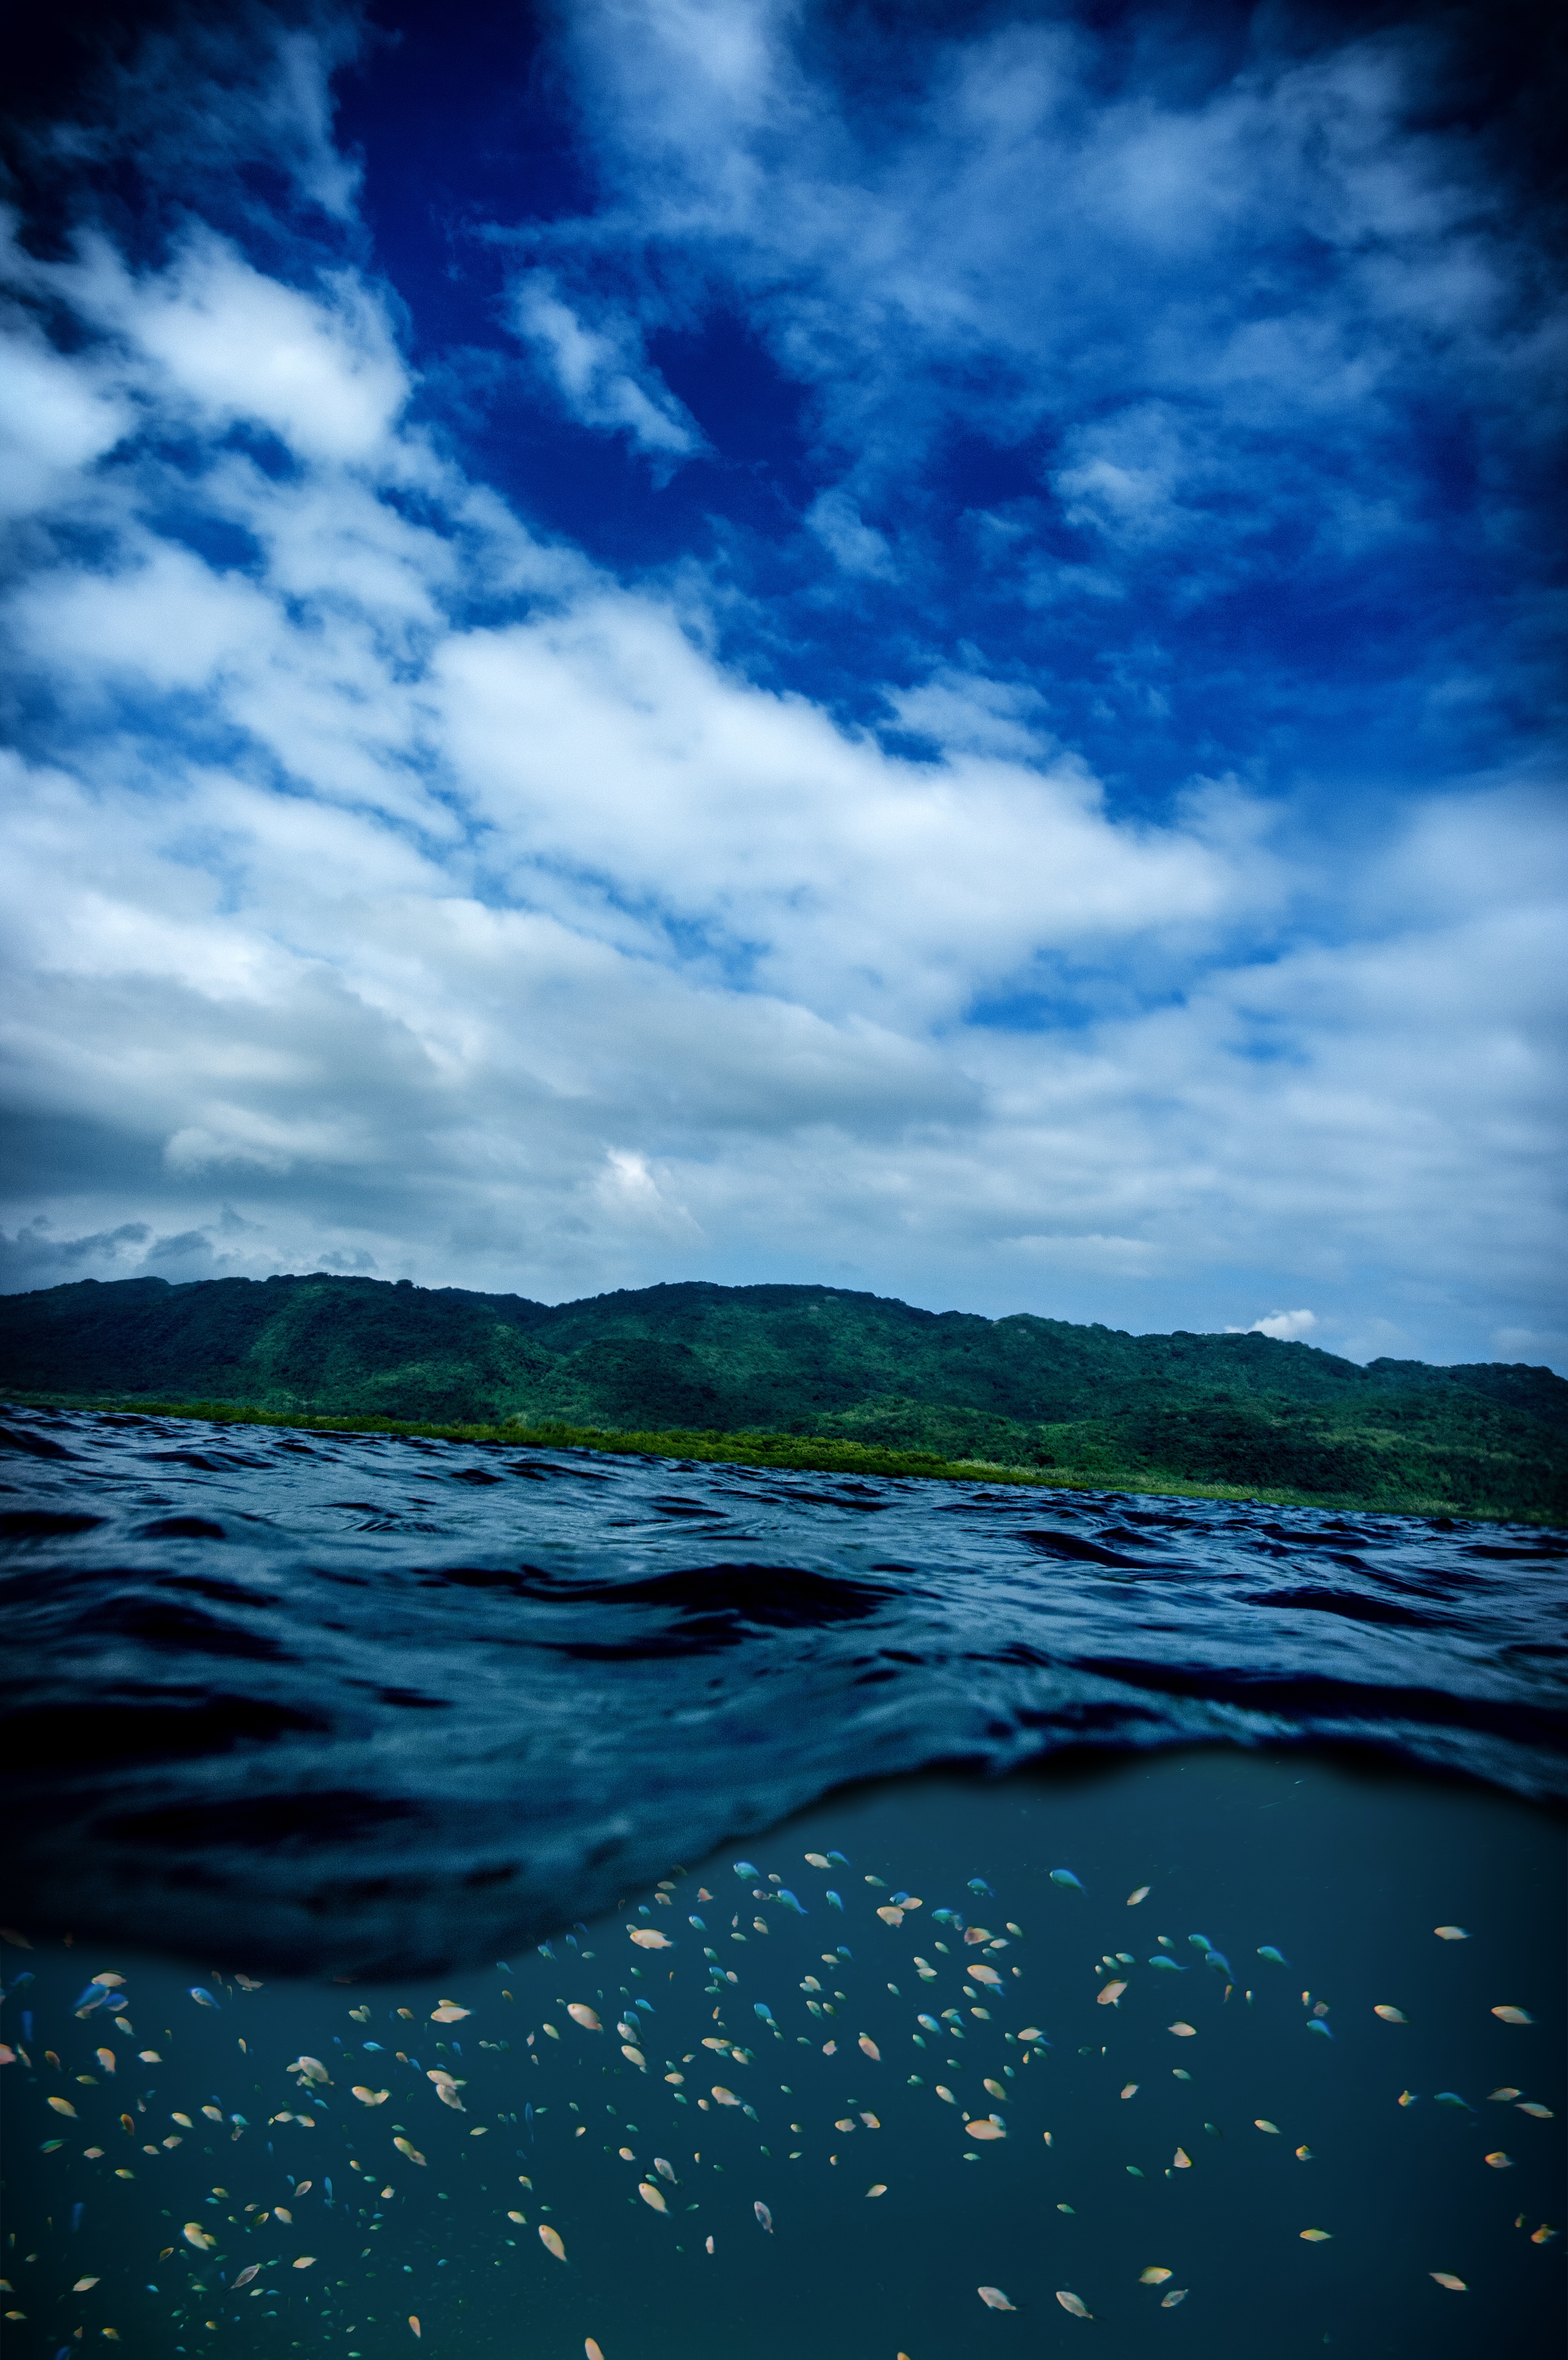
x,y
913,647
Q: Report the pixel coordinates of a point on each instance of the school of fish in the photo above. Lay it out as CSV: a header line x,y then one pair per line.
x,y
571,2045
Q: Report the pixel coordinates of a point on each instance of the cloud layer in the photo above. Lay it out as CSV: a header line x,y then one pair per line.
x,y
396,883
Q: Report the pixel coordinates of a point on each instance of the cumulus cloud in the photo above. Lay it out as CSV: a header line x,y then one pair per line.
x,y
392,886
1285,1327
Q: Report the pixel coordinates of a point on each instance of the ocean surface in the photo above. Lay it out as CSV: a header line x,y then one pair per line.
x,y
551,1904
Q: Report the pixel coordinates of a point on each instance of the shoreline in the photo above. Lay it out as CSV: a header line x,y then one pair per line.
x,y
789,1453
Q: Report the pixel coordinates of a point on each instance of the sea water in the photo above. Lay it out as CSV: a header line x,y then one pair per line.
x,y
311,1783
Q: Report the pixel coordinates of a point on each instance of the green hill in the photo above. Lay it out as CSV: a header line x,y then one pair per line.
x,y
1239,1412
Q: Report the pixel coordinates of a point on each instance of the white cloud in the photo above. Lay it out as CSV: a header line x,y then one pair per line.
x,y
319,370
1285,1327
55,419
856,546
1032,226
603,378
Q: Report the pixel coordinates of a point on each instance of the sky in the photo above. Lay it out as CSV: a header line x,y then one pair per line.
x,y
908,646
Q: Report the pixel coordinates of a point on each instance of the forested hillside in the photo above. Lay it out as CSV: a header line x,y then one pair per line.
x,y
817,1360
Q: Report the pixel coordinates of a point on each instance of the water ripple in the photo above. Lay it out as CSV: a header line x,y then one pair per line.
x,y
338,1702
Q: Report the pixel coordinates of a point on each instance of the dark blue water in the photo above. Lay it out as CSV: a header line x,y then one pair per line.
x,y
355,1704
312,1742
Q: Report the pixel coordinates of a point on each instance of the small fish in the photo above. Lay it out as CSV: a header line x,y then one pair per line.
x,y
83,2285
817,1860
1268,1950
1183,2031
413,2322
1181,2160
1303,2154
284,2212
1169,2301
647,1940
1200,1941
368,2097
1153,2276
411,2152
1533,2106
889,1916
1259,2125
986,2130
591,2349
202,1997
1075,2303
105,2058
744,1868
765,2218
724,2097
985,1976
1129,2092
194,2235
1317,2025
666,2170
634,2056
305,2262
251,2270
1390,2014
1504,2094
1453,2098
1317,2237
994,2300
1172,1966
834,1900
551,2240
1030,2033
1111,1996
1499,2161
652,2195
1513,2015
581,2013
1059,1876
1543,2235
1218,1960
449,2013
1451,1933
63,2106
1446,2278
1141,1895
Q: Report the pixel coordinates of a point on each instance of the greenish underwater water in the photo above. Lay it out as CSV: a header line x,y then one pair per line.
x,y
1126,2145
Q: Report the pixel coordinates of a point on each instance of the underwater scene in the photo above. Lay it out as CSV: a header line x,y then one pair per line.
x,y
990,2003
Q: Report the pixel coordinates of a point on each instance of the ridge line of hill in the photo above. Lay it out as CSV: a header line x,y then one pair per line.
x,y
827,1365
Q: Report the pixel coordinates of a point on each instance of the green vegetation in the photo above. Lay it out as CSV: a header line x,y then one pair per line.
x,y
807,1376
